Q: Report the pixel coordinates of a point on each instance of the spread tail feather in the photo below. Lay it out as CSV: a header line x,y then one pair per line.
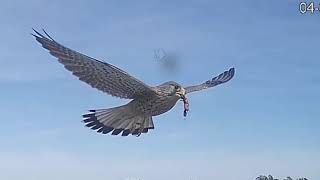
x,y
118,119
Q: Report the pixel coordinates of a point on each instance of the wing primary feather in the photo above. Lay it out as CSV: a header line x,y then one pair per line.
x,y
48,35
103,76
221,78
39,34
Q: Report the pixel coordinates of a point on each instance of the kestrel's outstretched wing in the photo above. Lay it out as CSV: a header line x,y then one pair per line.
x,y
222,78
97,74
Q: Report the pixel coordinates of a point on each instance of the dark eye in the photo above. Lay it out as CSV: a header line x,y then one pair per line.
x,y
176,87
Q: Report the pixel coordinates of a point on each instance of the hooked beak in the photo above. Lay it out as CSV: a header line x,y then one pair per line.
x,y
181,93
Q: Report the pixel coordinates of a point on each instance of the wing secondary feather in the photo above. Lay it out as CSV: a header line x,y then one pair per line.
x,y
98,74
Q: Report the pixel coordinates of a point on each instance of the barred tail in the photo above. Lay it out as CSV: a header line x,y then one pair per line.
x,y
118,119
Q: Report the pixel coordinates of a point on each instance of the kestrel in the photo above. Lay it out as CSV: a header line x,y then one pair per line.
x,y
134,117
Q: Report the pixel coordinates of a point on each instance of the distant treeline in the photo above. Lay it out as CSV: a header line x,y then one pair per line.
x,y
271,178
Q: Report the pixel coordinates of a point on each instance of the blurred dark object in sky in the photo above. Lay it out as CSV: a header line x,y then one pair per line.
x,y
169,61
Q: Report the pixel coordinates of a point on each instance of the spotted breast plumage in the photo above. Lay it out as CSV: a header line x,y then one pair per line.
x,y
135,117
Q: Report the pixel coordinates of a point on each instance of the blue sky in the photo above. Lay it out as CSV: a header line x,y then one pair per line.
x,y
264,121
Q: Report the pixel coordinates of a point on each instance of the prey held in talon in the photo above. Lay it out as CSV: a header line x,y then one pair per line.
x,y
146,101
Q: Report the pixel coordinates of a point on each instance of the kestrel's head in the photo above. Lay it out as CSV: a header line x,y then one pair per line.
x,y
172,88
